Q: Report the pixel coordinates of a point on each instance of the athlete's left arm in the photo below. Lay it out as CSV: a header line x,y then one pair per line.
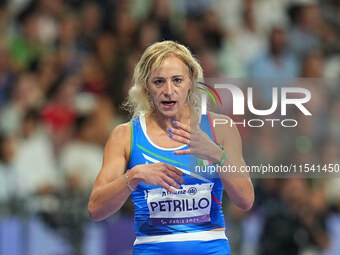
x,y
237,185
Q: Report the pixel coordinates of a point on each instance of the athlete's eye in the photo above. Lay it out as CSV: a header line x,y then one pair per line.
x,y
177,80
158,81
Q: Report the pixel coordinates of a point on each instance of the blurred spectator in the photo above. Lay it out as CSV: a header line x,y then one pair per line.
x,y
94,77
59,114
197,7
277,62
304,36
123,28
48,13
229,13
193,36
238,53
35,160
147,33
295,225
46,75
163,14
248,33
269,13
70,52
105,49
26,48
81,158
213,32
267,201
91,23
308,29
80,162
25,95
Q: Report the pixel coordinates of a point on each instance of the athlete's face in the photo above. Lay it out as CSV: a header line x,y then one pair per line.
x,y
169,87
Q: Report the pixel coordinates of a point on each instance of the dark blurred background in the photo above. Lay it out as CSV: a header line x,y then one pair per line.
x,y
65,69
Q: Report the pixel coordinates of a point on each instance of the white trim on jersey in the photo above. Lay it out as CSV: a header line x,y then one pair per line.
x,y
194,236
143,125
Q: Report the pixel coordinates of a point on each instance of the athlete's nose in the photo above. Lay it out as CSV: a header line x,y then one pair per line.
x,y
168,88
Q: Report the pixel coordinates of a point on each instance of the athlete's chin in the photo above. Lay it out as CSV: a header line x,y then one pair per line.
x,y
169,114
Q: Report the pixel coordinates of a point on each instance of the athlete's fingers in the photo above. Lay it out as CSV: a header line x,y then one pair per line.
x,y
174,169
182,126
180,132
175,177
179,139
182,152
167,187
171,182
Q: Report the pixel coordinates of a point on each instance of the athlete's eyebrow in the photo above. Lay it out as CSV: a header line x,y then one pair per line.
x,y
174,76
158,77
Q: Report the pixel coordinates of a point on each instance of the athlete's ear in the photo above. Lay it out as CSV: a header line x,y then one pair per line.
x,y
189,91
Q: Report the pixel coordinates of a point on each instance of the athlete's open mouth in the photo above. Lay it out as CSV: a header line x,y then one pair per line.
x,y
168,103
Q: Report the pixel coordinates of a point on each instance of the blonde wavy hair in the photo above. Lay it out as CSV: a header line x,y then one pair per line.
x,y
138,101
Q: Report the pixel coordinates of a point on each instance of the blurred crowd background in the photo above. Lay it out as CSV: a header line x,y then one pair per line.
x,y
66,68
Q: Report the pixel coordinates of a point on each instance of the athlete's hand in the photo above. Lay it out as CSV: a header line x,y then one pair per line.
x,y
160,174
199,142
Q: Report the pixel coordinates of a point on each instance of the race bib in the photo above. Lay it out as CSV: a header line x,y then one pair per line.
x,y
190,205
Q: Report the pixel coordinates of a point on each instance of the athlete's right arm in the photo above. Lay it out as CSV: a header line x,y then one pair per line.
x,y
110,190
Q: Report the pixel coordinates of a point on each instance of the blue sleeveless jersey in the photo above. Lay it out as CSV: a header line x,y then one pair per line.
x,y
179,223
144,151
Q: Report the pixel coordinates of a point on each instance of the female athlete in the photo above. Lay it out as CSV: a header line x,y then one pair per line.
x,y
153,158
